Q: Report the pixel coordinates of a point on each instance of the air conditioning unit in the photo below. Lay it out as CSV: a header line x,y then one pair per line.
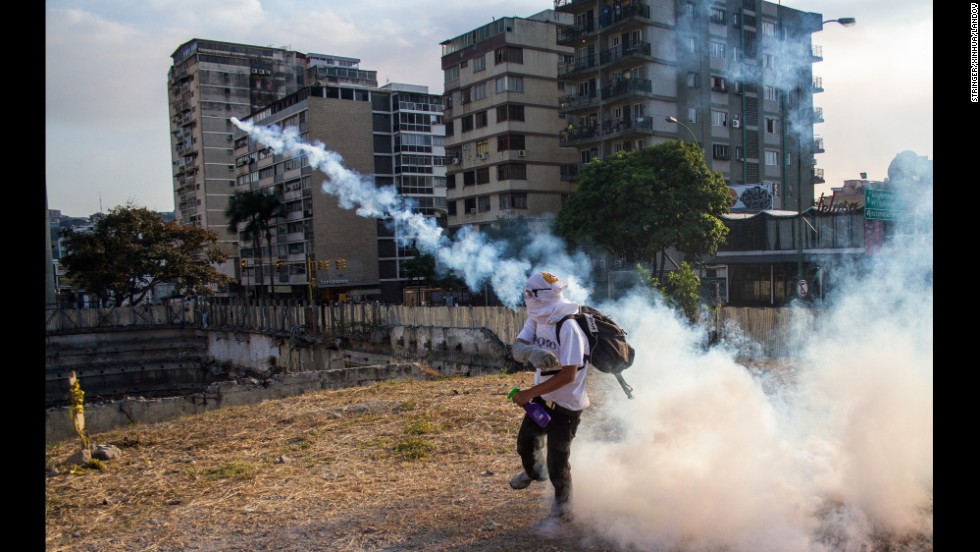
x,y
482,156
521,153
736,123
473,211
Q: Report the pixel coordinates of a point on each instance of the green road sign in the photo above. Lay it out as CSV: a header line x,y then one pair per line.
x,y
880,205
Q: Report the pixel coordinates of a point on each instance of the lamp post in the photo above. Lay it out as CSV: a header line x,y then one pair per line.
x,y
672,119
844,22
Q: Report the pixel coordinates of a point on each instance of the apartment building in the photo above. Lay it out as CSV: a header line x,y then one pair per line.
x,y
389,136
503,156
393,133
210,82
734,75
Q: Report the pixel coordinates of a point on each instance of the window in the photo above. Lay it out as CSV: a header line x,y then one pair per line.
x,y
718,84
467,123
692,80
513,200
738,153
510,142
483,204
768,60
480,119
716,15
717,49
469,178
720,151
692,115
479,63
510,112
483,176
691,44
512,171
770,92
509,54
509,83
772,158
479,91
768,28
719,118
482,147
789,160
772,125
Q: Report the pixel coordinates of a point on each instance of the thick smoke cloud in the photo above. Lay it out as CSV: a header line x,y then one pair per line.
x,y
829,451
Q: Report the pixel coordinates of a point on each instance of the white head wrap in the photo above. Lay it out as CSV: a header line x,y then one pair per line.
x,y
544,299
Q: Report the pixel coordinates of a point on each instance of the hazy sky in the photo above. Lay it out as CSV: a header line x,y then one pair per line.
x,y
107,131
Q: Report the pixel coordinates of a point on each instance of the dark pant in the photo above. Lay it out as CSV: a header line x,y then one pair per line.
x,y
558,434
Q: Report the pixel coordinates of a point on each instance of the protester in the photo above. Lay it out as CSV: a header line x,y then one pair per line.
x,y
559,385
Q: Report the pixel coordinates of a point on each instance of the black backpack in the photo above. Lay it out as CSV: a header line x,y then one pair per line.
x,y
608,350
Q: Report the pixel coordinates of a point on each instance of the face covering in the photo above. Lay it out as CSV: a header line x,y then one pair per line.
x,y
544,299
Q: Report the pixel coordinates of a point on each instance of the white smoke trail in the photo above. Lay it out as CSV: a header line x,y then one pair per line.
x,y
477,259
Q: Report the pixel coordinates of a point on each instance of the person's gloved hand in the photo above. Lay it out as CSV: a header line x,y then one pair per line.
x,y
540,358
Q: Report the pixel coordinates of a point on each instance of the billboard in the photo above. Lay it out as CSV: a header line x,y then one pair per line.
x,y
750,197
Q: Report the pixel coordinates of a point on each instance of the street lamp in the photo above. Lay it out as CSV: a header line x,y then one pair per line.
x,y
672,119
844,21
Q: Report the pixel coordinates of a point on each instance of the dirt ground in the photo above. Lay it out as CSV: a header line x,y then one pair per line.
x,y
396,466
420,465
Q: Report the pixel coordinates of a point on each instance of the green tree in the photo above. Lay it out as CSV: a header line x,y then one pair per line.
x,y
252,210
132,249
680,290
638,204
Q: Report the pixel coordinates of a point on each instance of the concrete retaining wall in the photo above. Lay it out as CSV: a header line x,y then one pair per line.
x,y
240,368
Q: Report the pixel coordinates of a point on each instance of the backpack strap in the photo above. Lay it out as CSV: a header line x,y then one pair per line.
x,y
585,359
626,387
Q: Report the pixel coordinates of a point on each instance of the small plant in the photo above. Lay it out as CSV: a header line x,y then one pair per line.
x,y
414,448
420,426
96,464
77,411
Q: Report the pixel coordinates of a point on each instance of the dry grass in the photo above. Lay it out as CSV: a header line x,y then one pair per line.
x,y
418,465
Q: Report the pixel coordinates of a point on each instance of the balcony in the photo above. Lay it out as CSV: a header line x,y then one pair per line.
x,y
816,52
817,114
624,55
572,6
624,17
582,65
569,35
818,176
817,84
622,127
571,104
628,87
579,135
818,144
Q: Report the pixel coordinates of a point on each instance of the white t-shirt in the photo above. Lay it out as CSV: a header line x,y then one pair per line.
x,y
574,347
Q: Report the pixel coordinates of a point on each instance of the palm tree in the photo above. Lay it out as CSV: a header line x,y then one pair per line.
x,y
254,209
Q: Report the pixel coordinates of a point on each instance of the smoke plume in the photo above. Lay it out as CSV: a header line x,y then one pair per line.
x,y
828,450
